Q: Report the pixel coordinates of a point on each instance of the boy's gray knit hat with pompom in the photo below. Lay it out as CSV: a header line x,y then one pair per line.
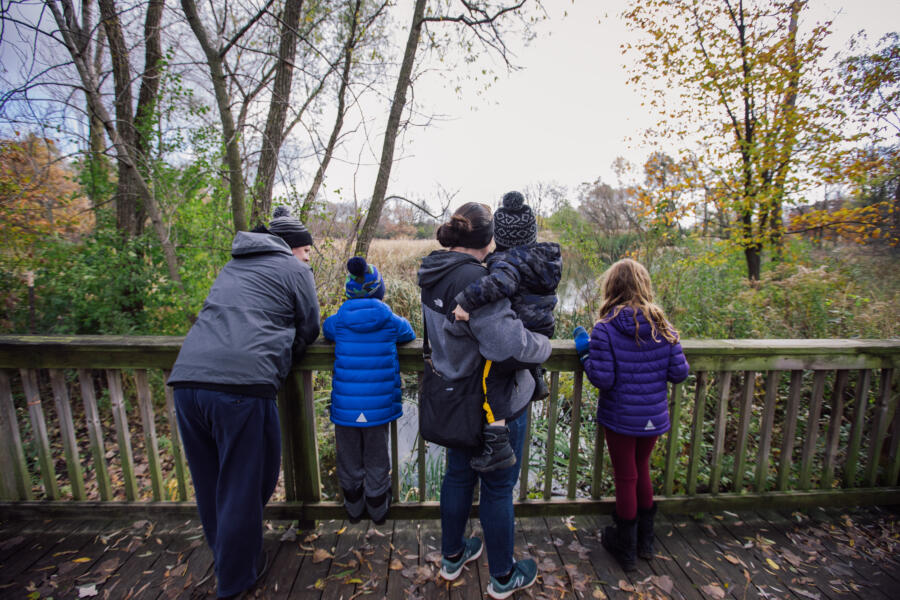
x,y
514,223
289,228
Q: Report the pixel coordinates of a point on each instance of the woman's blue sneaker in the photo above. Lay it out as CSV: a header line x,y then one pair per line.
x,y
524,573
450,570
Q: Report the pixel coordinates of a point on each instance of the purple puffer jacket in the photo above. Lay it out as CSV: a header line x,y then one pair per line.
x,y
632,377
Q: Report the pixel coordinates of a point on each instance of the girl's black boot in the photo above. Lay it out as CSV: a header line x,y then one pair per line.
x,y
621,541
645,532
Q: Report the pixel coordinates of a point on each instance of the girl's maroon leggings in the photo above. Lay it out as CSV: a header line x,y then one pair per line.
x,y
630,458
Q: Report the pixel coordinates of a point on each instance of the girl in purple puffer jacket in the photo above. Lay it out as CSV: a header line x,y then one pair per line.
x,y
631,355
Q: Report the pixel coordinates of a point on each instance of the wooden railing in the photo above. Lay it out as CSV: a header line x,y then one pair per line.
x,y
786,422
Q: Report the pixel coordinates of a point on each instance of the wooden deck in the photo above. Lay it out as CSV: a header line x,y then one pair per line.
x,y
850,554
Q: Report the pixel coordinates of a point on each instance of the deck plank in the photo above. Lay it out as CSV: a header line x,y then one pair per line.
x,y
147,560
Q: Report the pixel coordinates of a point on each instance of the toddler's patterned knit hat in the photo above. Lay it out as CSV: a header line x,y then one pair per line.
x,y
514,223
289,228
363,280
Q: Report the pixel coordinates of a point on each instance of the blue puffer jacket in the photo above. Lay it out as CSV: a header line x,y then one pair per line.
x,y
632,376
366,389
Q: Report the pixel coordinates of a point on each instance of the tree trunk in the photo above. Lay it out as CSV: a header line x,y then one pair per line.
x,y
232,150
281,96
339,119
124,154
752,255
789,135
390,134
127,199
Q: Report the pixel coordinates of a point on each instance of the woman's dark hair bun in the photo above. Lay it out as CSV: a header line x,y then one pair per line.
x,y
450,233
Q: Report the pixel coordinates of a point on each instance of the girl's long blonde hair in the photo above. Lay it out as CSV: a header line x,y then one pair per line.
x,y
627,283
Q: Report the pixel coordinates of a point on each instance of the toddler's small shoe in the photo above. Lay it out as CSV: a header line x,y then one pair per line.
x,y
523,575
451,569
496,453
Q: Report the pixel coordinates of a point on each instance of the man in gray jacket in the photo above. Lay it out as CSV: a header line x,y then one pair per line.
x,y
261,309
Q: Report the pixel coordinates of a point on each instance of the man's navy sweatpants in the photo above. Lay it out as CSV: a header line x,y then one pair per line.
x,y
233,448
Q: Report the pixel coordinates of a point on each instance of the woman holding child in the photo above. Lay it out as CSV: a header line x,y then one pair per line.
x,y
493,332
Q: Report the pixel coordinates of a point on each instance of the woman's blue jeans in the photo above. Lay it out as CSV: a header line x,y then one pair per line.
x,y
495,508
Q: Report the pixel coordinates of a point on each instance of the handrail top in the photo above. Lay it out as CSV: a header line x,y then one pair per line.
x,y
730,346
102,351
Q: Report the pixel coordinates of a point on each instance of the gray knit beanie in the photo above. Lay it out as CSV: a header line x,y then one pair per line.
x,y
289,228
514,223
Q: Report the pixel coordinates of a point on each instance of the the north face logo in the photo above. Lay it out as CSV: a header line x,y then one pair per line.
x,y
439,303
361,418
649,426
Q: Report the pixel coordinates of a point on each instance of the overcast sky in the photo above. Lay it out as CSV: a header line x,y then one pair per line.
x,y
564,117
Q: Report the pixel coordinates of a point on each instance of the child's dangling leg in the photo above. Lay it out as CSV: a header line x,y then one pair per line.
x,y
541,391
348,450
496,453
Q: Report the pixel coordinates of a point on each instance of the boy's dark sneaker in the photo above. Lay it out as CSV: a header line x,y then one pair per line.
x,y
354,504
523,574
377,506
496,453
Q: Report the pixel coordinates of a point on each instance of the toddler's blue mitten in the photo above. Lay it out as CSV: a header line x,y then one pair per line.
x,y
582,342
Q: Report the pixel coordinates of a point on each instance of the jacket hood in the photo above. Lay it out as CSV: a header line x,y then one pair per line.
x,y
363,315
624,322
246,243
439,264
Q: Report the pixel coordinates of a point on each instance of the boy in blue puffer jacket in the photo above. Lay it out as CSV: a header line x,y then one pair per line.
x,y
366,390
631,355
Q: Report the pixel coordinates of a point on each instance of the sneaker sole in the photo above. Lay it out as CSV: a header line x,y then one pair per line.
x,y
501,595
452,576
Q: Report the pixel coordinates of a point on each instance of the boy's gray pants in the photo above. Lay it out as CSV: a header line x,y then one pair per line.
x,y
363,461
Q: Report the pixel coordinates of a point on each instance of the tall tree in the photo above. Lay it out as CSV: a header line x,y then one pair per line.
x,y
739,79
74,36
478,18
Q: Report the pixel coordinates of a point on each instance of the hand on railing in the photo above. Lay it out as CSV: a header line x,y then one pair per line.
x,y
582,342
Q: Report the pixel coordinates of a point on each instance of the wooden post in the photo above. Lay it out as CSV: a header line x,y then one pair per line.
x,y
395,462
765,431
790,430
743,429
859,418
812,429
423,483
697,433
574,454
16,480
551,435
123,434
95,434
175,437
833,437
39,429
721,422
148,420
286,416
879,426
302,430
67,432
672,446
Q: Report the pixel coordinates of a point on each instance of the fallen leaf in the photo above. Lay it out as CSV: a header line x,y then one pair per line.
x,y
732,559
598,594
86,591
83,559
321,554
713,590
806,594
772,564
396,565
663,582
342,530
625,586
